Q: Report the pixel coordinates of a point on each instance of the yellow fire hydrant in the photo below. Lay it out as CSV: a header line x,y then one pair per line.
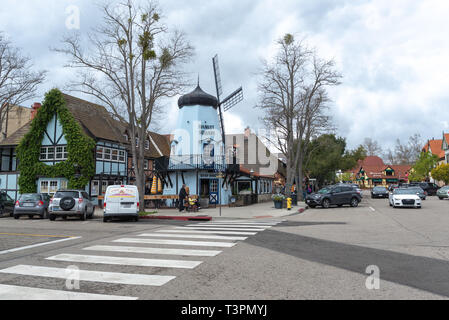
x,y
289,203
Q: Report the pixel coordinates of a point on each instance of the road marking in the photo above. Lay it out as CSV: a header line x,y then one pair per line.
x,y
33,235
95,276
190,236
8,292
177,252
182,264
227,226
372,209
219,229
177,242
38,245
188,230
241,223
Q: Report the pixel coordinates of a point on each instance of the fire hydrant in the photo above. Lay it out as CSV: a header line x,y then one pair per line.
x,y
289,203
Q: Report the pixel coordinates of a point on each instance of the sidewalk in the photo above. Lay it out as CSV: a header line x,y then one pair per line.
x,y
256,211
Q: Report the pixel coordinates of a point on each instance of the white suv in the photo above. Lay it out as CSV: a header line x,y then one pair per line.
x,y
71,203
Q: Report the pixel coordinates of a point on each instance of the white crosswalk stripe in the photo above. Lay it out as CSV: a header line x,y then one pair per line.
x,y
217,234
126,261
162,251
95,276
177,242
228,226
189,230
189,236
9,292
221,229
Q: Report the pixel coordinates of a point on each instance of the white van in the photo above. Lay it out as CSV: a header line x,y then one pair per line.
x,y
121,202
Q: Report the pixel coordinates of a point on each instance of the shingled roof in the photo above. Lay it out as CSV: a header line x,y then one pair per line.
x,y
435,147
14,139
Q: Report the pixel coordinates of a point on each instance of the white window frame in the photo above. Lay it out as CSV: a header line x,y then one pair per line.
x,y
120,154
54,148
147,144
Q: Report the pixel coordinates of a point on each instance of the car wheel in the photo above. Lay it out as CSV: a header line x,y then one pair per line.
x,y
136,219
440,198
45,214
354,202
326,204
340,205
105,219
16,216
30,216
52,217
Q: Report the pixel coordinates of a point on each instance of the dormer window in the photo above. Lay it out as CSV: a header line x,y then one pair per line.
x,y
147,144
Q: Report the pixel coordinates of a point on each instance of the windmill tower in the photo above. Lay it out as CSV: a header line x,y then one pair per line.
x,y
226,104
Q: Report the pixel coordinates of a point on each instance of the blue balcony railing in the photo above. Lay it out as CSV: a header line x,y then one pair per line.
x,y
197,162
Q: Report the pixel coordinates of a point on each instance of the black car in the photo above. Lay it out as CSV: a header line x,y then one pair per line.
x,y
430,188
379,192
334,195
6,204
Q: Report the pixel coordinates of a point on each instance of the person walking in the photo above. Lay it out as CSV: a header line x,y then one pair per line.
x,y
182,197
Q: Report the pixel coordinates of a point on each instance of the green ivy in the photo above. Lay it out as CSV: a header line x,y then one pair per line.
x,y
80,148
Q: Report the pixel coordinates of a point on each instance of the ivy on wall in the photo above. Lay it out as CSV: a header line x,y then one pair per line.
x,y
80,148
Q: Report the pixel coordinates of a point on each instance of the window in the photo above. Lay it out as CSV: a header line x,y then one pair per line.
x,y
121,156
107,154
63,184
114,156
137,142
147,144
125,136
58,153
145,164
94,188
100,151
104,186
53,186
44,187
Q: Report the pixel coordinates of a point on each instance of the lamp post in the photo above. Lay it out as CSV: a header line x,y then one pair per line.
x,y
220,176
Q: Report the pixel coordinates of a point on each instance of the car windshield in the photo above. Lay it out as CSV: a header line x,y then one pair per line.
x,y
30,197
445,188
63,194
379,189
404,191
324,191
417,189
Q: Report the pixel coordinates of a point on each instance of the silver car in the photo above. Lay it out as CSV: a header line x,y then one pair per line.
x,y
71,203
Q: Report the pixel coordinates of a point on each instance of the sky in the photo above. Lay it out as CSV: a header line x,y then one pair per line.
x,y
393,55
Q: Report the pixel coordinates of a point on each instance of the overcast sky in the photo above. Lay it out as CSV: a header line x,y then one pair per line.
x,y
393,54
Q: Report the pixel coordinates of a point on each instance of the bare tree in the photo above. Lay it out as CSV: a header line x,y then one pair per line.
x,y
294,97
372,147
18,83
408,153
133,64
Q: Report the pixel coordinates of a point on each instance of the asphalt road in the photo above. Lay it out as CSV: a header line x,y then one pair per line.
x,y
320,254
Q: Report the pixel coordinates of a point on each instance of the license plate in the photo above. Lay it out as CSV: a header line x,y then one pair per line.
x,y
127,206
28,204
56,209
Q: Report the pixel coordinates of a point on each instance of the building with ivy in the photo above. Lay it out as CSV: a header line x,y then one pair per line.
x,y
72,143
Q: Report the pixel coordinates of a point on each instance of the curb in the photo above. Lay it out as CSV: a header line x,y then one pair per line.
x,y
199,218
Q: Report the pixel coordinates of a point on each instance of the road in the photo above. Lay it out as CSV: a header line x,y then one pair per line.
x,y
320,254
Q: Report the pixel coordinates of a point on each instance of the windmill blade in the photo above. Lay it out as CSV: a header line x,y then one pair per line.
x,y
233,99
217,77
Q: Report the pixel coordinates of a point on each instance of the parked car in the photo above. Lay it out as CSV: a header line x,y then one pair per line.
x,y
121,202
334,195
404,197
430,188
379,192
31,204
6,204
419,191
392,187
443,193
71,203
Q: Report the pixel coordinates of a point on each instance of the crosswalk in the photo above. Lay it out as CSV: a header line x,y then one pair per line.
x,y
192,243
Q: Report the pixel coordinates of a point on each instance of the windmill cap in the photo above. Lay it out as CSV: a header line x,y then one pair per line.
x,y
198,97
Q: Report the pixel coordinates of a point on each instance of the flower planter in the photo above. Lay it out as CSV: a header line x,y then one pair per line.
x,y
278,204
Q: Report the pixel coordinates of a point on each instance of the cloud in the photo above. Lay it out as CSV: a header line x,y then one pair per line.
x,y
392,54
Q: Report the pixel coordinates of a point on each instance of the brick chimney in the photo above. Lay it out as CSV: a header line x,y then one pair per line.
x,y
34,109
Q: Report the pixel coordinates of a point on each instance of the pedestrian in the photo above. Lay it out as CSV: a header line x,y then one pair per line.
x,y
309,189
182,197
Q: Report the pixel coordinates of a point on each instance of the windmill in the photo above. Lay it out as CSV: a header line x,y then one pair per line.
x,y
227,103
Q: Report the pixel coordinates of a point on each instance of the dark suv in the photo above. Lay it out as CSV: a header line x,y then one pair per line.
x,y
334,195
430,188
